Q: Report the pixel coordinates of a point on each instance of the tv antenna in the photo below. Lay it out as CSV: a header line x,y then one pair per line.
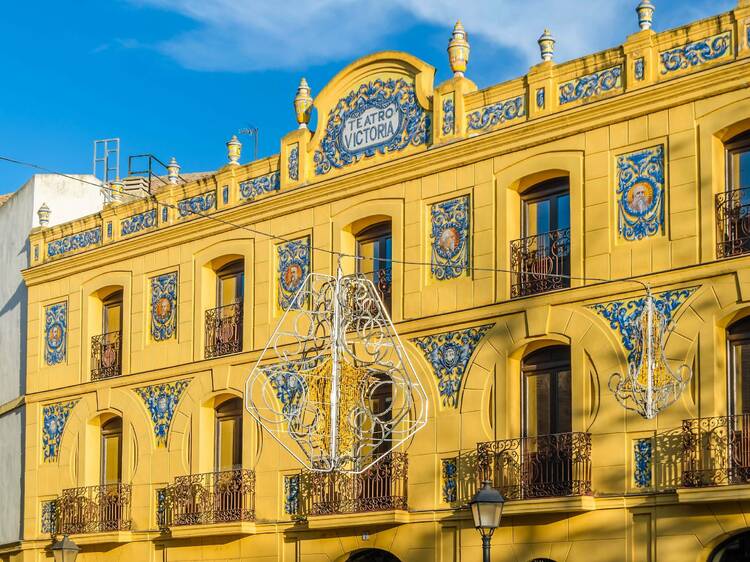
x,y
254,132
107,160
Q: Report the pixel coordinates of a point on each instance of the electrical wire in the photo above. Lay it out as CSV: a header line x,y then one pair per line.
x,y
340,255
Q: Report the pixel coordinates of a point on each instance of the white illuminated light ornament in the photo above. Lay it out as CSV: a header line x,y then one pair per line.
x,y
650,385
334,385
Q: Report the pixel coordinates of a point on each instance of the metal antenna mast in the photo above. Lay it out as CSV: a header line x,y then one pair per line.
x,y
107,160
252,132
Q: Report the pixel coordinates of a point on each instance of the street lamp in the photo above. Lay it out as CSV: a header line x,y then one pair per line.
x,y
65,550
487,509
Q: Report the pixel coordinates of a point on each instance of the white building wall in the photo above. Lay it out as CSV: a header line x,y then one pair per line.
x,y
67,199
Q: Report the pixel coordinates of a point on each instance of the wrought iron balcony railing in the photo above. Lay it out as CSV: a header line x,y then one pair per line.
x,y
224,330
536,261
94,509
382,487
733,223
538,467
716,451
203,499
382,279
106,356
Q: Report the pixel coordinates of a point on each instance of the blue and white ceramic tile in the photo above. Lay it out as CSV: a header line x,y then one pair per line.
x,y
255,187
164,306
450,238
198,204
640,193
161,401
74,242
54,418
136,223
591,85
696,53
293,268
490,116
55,333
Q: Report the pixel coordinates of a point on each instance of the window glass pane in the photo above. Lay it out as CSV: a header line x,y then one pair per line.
x,y
537,404
743,169
741,376
112,471
228,450
112,317
564,416
537,217
367,251
230,289
563,212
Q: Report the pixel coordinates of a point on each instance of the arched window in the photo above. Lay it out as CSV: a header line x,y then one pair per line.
x,y
736,549
374,247
111,452
106,347
229,435
547,391
543,251
733,205
738,365
224,323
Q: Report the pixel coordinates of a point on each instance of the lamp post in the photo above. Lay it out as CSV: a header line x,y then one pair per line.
x,y
487,509
65,550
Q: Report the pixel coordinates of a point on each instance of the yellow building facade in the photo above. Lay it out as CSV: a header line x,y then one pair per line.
x,y
511,222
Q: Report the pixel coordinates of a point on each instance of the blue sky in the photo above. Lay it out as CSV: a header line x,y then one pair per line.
x,y
179,77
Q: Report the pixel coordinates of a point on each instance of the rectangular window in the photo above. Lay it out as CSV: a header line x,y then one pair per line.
x,y
228,449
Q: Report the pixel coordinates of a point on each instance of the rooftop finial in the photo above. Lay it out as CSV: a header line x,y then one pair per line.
x,y
234,150
302,104
43,212
645,12
547,45
458,50
173,171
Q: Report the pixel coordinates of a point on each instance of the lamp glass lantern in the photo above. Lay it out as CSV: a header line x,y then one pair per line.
x,y
487,509
65,550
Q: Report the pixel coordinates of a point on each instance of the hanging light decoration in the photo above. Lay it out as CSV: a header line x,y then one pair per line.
x,y
650,384
334,385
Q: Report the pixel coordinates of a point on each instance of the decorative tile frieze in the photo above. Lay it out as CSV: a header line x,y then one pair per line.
x,y
696,53
164,306
197,204
450,479
624,315
48,523
449,354
161,401
55,333
74,242
642,462
255,187
449,116
640,193
639,68
490,116
291,494
293,268
540,98
591,85
293,163
136,223
450,238
379,117
54,418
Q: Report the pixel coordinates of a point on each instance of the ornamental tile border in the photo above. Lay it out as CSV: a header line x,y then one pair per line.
x,y
74,242
450,237
490,116
540,98
639,68
255,187
136,223
293,268
293,163
449,354
164,306
642,462
197,204
640,193
696,53
449,475
591,85
48,523
449,116
161,400
54,418
55,333
291,494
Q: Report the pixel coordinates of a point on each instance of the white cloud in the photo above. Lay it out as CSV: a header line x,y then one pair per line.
x,y
243,35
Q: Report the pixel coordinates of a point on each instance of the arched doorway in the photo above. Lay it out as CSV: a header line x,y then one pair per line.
x,y
372,555
736,549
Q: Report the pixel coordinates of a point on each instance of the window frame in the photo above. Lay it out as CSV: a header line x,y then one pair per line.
x,y
235,268
552,367
737,333
551,190
738,144
105,433
231,408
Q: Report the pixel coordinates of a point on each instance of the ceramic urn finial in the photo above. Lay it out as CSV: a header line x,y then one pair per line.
x,y
302,104
458,50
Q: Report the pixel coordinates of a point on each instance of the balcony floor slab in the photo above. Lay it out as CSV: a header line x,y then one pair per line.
x,y
358,519
109,537
726,493
550,505
232,528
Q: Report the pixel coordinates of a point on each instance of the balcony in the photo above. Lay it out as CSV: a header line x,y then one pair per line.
x,y
224,330
382,280
732,223
535,260
106,356
95,509
716,451
547,466
382,487
208,499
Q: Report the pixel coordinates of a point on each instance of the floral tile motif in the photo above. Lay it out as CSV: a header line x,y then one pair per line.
x,y
55,332
225,195
254,188
54,418
48,524
540,98
642,451
490,116
164,214
291,494
164,306
450,480
696,53
403,123
450,238
197,205
449,116
623,316
449,353
639,68
293,268
136,223
591,85
640,193
289,388
161,401
293,163
74,242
